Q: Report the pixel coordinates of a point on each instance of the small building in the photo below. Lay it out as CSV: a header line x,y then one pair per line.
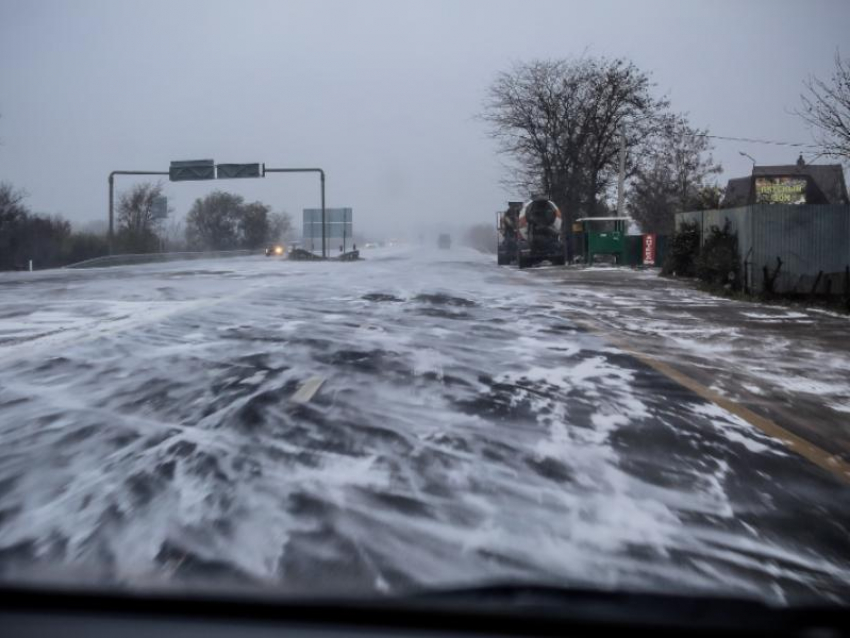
x,y
794,184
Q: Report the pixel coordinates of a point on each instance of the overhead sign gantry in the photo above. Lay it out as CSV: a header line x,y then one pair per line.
x,y
207,169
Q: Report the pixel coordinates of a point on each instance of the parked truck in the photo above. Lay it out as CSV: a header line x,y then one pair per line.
x,y
539,235
507,227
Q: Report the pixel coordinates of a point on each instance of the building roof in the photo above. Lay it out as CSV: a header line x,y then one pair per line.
x,y
826,178
737,192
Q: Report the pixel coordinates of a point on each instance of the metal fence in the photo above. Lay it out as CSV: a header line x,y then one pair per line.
x,y
813,243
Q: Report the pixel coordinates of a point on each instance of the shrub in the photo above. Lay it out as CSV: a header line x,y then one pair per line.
x,y
682,251
82,246
718,263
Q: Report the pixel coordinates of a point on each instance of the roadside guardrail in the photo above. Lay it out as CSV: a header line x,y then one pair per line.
x,y
150,258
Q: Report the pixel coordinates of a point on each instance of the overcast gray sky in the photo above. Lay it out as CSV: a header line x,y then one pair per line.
x,y
381,94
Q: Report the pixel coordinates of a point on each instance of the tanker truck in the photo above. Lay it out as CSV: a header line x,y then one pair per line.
x,y
507,226
539,237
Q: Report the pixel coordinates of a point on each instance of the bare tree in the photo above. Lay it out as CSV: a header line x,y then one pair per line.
x,y
254,225
223,221
13,214
212,222
174,235
707,197
11,203
826,108
675,177
139,221
280,227
560,122
44,240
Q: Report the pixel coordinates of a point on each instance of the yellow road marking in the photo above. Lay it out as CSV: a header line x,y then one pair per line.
x,y
820,457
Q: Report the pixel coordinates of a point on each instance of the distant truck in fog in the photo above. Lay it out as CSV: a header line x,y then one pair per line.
x,y
444,241
531,233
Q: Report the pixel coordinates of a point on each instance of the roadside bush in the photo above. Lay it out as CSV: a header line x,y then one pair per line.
x,y
682,251
140,241
82,246
47,241
718,264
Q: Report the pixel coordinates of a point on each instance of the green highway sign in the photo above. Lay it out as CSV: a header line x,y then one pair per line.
x,y
191,170
235,171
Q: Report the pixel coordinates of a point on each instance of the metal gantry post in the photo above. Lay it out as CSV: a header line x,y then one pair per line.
x,y
112,199
322,179
111,213
324,221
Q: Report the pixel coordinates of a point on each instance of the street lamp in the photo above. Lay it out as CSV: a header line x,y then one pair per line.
x,y
747,155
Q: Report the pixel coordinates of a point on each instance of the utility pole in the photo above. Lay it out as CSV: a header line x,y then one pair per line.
x,y
622,174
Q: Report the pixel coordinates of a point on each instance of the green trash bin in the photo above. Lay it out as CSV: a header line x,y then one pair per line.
x,y
605,236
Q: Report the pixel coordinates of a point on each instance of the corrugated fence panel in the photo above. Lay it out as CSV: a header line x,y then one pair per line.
x,y
808,239
737,217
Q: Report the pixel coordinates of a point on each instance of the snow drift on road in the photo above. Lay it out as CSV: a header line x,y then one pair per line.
x,y
465,432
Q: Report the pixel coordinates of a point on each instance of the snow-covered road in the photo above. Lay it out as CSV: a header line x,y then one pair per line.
x,y
465,431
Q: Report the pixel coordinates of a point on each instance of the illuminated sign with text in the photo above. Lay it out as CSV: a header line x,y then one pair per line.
x,y
780,190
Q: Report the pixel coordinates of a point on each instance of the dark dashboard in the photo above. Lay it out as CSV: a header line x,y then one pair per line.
x,y
490,611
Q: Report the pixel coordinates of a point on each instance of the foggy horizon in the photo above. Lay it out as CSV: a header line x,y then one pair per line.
x,y
383,96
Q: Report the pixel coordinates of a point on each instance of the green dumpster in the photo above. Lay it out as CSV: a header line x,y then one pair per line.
x,y
605,236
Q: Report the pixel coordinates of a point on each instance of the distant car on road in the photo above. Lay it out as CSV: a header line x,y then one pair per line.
x,y
275,251
444,241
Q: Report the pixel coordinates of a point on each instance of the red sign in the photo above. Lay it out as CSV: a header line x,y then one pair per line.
x,y
649,249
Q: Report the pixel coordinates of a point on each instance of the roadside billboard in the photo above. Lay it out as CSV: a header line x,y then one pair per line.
x,y
781,190
339,227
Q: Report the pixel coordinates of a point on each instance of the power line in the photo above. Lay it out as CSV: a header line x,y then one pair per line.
x,y
749,140
752,141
